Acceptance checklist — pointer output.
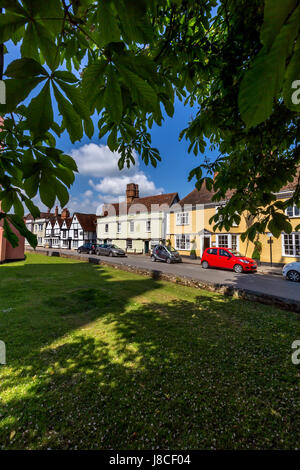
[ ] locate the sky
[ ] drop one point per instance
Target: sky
(99, 179)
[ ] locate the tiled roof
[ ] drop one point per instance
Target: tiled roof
(44, 215)
(141, 204)
(87, 221)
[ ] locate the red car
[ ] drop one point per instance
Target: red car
(228, 259)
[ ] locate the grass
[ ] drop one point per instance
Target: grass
(99, 358)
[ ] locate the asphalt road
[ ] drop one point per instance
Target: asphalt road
(258, 282)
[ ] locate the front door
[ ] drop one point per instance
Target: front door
(206, 243)
(146, 246)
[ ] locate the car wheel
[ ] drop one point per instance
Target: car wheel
(293, 276)
(168, 260)
(238, 268)
(79, 251)
(90, 252)
(205, 265)
(111, 253)
(153, 258)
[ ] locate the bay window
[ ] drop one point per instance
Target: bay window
(182, 242)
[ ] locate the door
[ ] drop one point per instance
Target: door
(224, 259)
(70, 241)
(212, 257)
(146, 247)
(206, 243)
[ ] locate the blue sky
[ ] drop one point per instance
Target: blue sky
(99, 179)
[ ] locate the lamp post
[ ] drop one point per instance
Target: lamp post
(270, 241)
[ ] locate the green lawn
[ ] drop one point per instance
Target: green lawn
(99, 358)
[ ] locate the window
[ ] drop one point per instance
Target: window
(40, 227)
(131, 226)
(224, 253)
(182, 242)
(234, 242)
(228, 241)
(106, 228)
(129, 244)
(118, 227)
(291, 244)
(40, 240)
(64, 234)
(293, 211)
(75, 243)
(212, 251)
(148, 226)
(75, 233)
(182, 218)
(234, 224)
(223, 241)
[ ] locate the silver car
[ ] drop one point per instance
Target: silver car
(107, 249)
(291, 271)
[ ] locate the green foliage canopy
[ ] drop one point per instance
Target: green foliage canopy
(127, 61)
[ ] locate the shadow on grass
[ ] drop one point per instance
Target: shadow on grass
(104, 359)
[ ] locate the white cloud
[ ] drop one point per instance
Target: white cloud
(98, 161)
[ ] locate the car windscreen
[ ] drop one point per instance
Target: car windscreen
(235, 253)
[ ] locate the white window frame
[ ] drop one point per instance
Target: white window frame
(182, 242)
(182, 218)
(234, 224)
(148, 226)
(229, 240)
(293, 245)
(131, 226)
(129, 244)
(118, 227)
(106, 227)
(295, 212)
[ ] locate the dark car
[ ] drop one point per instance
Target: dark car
(86, 248)
(107, 249)
(166, 254)
(227, 259)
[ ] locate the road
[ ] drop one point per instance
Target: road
(257, 282)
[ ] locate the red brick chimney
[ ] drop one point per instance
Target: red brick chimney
(132, 192)
(65, 213)
(56, 211)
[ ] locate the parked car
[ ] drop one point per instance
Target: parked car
(291, 271)
(86, 248)
(107, 249)
(227, 259)
(166, 254)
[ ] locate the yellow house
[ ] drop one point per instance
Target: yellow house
(189, 228)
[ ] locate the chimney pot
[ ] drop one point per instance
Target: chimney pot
(132, 192)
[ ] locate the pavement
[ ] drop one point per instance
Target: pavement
(264, 283)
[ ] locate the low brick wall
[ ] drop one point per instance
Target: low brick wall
(224, 289)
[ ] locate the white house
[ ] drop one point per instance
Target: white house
(82, 229)
(138, 223)
(63, 231)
